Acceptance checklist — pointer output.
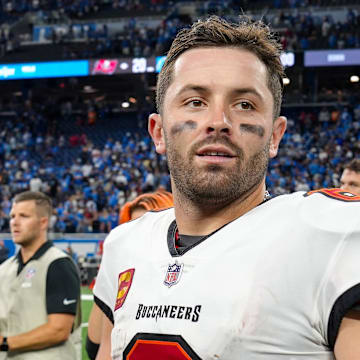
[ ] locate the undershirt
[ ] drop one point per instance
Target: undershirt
(186, 241)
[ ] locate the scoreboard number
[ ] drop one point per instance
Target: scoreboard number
(139, 65)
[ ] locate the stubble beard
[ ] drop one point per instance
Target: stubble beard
(215, 185)
(27, 239)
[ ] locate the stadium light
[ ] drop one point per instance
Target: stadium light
(286, 81)
(354, 78)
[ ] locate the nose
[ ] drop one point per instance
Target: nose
(219, 121)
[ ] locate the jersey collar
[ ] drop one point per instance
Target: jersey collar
(173, 234)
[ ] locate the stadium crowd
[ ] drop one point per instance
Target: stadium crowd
(82, 8)
(88, 183)
(299, 28)
(298, 31)
(89, 180)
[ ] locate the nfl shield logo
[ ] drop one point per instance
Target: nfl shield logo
(173, 274)
(30, 273)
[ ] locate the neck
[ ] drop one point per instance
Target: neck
(195, 219)
(28, 251)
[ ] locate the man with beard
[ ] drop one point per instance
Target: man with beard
(229, 273)
(39, 289)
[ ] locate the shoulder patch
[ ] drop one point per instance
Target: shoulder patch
(124, 283)
(337, 194)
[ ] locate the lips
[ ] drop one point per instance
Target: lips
(218, 151)
(215, 155)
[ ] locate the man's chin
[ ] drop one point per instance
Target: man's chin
(215, 192)
(216, 179)
(18, 240)
(215, 169)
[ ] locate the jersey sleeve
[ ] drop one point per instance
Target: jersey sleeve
(105, 288)
(347, 301)
(62, 287)
(341, 288)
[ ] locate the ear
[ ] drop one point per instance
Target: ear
(278, 131)
(155, 127)
(44, 222)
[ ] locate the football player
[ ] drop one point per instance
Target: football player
(229, 273)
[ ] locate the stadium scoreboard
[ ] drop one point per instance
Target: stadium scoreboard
(94, 67)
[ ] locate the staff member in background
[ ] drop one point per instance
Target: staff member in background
(39, 289)
(160, 199)
(4, 251)
(350, 178)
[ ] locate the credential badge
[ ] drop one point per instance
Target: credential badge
(173, 274)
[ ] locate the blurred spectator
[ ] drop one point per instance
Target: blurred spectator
(298, 27)
(69, 250)
(35, 184)
(350, 178)
(90, 183)
(324, 116)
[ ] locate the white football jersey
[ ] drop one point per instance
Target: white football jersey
(261, 287)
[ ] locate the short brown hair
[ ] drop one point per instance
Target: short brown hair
(253, 36)
(42, 201)
(353, 165)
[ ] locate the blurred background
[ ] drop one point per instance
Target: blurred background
(77, 82)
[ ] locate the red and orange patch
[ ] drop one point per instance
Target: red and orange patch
(335, 193)
(124, 284)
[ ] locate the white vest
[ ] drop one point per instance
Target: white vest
(23, 305)
(260, 288)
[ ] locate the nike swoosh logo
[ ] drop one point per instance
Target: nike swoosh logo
(68, 302)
